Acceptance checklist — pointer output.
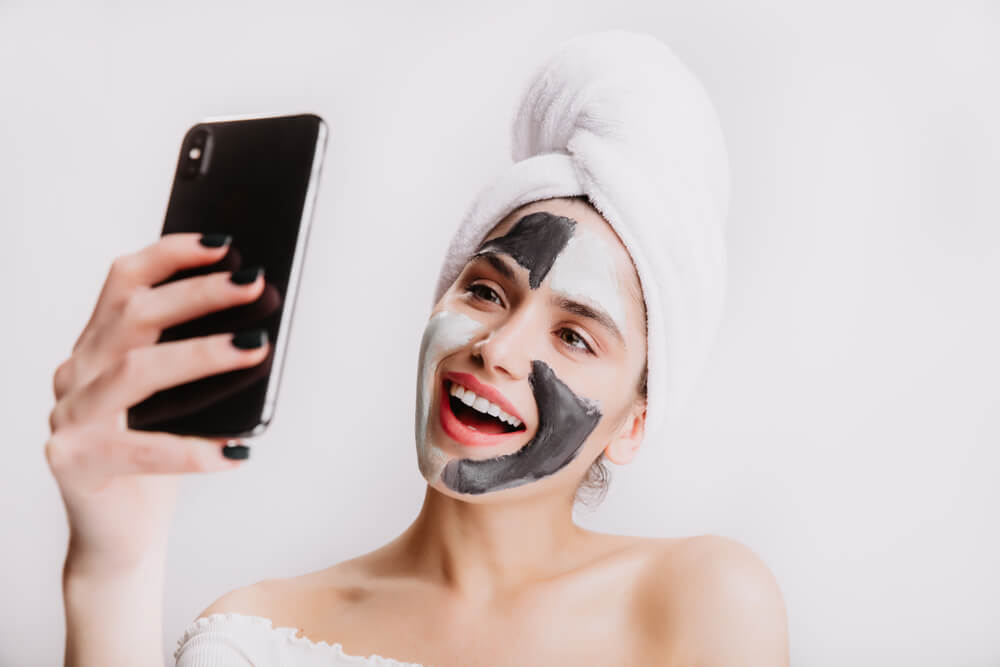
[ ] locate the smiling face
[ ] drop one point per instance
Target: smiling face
(545, 327)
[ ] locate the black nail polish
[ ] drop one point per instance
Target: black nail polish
(246, 276)
(215, 240)
(236, 452)
(248, 340)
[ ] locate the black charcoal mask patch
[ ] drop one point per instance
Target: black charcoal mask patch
(565, 420)
(534, 243)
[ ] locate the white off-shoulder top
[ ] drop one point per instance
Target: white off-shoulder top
(239, 640)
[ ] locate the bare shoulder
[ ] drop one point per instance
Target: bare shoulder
(713, 600)
(252, 600)
(271, 598)
(285, 601)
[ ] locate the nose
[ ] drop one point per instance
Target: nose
(507, 346)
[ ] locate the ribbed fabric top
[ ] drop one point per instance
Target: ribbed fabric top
(239, 640)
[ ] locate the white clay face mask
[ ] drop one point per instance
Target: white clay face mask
(445, 333)
(585, 270)
(579, 267)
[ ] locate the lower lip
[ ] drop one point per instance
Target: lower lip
(461, 433)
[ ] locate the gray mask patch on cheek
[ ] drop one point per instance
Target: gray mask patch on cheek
(534, 242)
(564, 422)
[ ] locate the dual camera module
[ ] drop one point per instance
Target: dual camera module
(194, 158)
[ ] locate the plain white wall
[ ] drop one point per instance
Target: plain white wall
(846, 428)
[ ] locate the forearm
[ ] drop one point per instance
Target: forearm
(114, 618)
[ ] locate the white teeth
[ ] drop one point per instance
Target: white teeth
(470, 398)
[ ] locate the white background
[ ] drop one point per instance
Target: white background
(846, 428)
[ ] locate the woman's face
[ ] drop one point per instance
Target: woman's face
(545, 325)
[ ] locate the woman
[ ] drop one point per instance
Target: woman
(563, 329)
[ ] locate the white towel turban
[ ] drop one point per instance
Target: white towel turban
(616, 116)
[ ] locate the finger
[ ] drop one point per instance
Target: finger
(192, 397)
(241, 316)
(91, 456)
(64, 377)
(152, 264)
(166, 256)
(143, 371)
(151, 310)
(161, 307)
(139, 319)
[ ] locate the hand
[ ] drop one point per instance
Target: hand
(120, 485)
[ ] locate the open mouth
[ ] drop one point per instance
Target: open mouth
(479, 421)
(470, 426)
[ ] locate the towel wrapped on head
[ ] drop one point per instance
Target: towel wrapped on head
(615, 116)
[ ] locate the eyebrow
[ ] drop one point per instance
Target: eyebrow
(564, 303)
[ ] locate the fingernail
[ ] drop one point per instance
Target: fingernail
(248, 340)
(215, 240)
(246, 276)
(236, 451)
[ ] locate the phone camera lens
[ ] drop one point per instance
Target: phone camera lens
(195, 157)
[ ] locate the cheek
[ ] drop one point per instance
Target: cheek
(604, 387)
(445, 332)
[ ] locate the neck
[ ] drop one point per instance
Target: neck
(483, 550)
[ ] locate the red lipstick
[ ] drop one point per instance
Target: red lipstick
(486, 391)
(461, 433)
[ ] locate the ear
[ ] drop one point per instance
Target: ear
(625, 446)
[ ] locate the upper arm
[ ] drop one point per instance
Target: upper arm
(719, 605)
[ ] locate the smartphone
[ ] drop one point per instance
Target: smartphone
(254, 178)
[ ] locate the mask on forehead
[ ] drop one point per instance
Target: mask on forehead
(578, 265)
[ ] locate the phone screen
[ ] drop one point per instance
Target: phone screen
(254, 179)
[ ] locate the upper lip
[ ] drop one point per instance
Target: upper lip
(486, 391)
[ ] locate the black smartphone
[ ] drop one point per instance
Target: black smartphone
(254, 178)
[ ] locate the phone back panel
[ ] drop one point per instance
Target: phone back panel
(255, 180)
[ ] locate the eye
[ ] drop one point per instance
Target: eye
(477, 290)
(483, 292)
(577, 337)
